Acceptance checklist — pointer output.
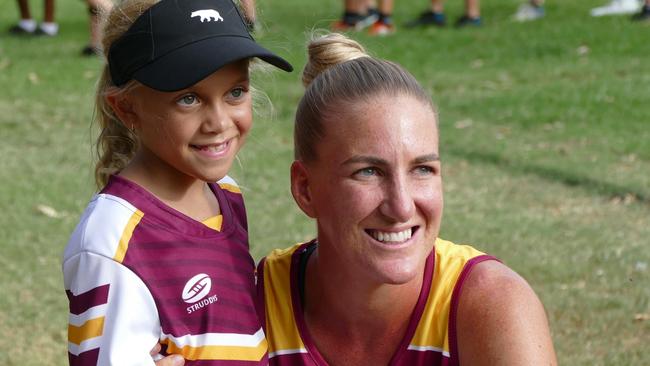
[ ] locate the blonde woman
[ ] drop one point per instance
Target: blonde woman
(377, 286)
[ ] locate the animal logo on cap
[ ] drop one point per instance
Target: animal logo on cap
(208, 15)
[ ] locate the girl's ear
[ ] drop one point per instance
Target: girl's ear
(300, 188)
(123, 108)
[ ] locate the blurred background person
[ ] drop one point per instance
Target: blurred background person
(384, 24)
(644, 13)
(617, 7)
(530, 10)
(249, 13)
(362, 14)
(95, 10)
(27, 24)
(357, 15)
(435, 16)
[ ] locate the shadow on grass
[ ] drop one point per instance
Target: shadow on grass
(605, 189)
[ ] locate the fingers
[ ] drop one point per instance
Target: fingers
(155, 350)
(173, 360)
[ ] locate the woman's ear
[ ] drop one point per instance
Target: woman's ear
(300, 188)
(123, 107)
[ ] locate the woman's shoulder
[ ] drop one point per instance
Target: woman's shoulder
(494, 285)
(283, 255)
(501, 320)
(446, 248)
(457, 260)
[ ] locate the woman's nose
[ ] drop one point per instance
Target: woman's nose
(398, 204)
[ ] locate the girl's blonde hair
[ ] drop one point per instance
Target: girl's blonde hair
(340, 75)
(116, 144)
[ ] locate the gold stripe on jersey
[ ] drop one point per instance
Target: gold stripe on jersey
(126, 236)
(279, 308)
(432, 331)
(230, 187)
(90, 329)
(240, 353)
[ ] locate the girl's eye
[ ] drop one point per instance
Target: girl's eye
(237, 92)
(188, 99)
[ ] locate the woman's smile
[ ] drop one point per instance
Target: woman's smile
(394, 237)
(378, 206)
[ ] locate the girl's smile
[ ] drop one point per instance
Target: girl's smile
(193, 134)
(213, 151)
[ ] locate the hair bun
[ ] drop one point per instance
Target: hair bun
(329, 50)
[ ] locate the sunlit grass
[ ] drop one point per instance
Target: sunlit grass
(545, 140)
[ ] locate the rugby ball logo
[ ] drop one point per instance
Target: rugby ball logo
(197, 288)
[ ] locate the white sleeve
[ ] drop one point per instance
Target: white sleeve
(113, 317)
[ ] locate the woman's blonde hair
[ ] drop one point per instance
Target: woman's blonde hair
(116, 144)
(340, 75)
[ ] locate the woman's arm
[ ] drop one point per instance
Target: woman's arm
(501, 321)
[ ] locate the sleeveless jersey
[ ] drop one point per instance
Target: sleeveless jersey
(137, 271)
(430, 337)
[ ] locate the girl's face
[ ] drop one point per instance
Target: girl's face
(195, 133)
(375, 190)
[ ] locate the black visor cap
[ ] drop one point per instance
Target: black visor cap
(177, 43)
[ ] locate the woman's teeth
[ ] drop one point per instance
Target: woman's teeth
(386, 237)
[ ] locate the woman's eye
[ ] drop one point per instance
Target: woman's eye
(425, 170)
(187, 100)
(366, 172)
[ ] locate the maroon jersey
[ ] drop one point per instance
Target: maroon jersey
(137, 271)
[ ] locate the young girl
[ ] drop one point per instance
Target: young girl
(161, 252)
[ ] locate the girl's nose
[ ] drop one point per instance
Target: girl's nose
(216, 120)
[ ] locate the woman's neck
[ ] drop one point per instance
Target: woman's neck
(352, 321)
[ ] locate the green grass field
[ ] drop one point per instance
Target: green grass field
(545, 141)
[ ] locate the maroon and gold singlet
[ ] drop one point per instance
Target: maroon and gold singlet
(430, 338)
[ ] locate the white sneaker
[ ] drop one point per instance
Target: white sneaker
(617, 7)
(527, 12)
(48, 29)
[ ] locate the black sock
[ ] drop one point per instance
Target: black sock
(385, 18)
(351, 18)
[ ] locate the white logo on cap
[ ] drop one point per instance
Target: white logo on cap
(208, 15)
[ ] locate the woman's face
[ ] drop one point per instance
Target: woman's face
(375, 189)
(194, 133)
